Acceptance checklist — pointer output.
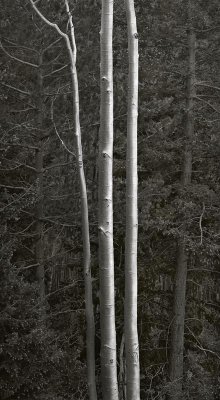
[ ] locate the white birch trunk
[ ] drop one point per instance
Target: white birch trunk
(130, 308)
(106, 251)
(90, 326)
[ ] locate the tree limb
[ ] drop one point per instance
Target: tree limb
(200, 224)
(18, 59)
(16, 89)
(208, 86)
(207, 103)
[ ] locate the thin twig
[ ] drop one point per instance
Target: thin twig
(207, 103)
(200, 224)
(56, 70)
(17, 59)
(55, 128)
(208, 86)
(16, 89)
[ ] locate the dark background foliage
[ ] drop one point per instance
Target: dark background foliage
(47, 359)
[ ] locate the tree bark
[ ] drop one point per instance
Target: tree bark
(39, 251)
(130, 308)
(90, 325)
(106, 251)
(177, 328)
(122, 371)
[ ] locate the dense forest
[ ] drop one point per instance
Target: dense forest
(70, 258)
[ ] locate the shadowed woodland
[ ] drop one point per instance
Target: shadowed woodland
(58, 271)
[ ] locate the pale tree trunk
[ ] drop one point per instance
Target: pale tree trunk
(106, 251)
(130, 308)
(177, 328)
(90, 326)
(39, 252)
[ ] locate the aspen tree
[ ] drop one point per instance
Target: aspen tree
(90, 326)
(177, 327)
(106, 251)
(130, 308)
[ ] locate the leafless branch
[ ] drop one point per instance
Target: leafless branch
(17, 198)
(16, 89)
(57, 166)
(18, 166)
(207, 29)
(51, 44)
(20, 145)
(52, 24)
(207, 103)
(13, 187)
(64, 312)
(200, 224)
(27, 267)
(203, 269)
(18, 59)
(55, 128)
(19, 45)
(24, 230)
(24, 110)
(55, 71)
(208, 86)
(63, 144)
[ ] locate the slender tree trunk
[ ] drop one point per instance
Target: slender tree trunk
(122, 371)
(106, 251)
(39, 210)
(130, 310)
(177, 329)
(90, 326)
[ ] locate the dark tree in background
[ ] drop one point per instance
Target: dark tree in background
(42, 293)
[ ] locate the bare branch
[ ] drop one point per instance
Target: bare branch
(18, 59)
(18, 166)
(61, 140)
(45, 219)
(13, 187)
(51, 44)
(52, 24)
(74, 51)
(207, 103)
(24, 110)
(20, 145)
(200, 223)
(57, 166)
(19, 45)
(28, 267)
(17, 198)
(24, 230)
(57, 70)
(203, 269)
(16, 89)
(207, 29)
(208, 86)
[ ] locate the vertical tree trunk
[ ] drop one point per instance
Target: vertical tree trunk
(90, 326)
(39, 210)
(106, 251)
(177, 329)
(122, 371)
(130, 309)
